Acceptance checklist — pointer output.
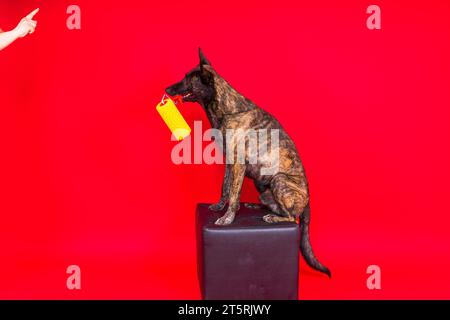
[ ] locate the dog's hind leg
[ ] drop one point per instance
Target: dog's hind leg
(291, 193)
(290, 196)
(268, 201)
(265, 196)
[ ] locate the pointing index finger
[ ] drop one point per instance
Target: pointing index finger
(32, 14)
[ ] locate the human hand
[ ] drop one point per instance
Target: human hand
(27, 25)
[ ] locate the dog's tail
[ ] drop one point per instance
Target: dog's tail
(305, 244)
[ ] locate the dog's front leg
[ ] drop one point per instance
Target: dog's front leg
(236, 179)
(225, 190)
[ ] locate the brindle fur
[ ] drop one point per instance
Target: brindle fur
(284, 193)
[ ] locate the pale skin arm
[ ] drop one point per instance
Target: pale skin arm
(26, 26)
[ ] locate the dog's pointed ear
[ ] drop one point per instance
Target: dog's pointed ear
(202, 57)
(204, 73)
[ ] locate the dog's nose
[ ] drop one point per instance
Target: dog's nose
(169, 91)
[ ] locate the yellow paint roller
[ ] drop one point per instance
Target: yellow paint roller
(168, 111)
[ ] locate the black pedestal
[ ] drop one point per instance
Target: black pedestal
(247, 260)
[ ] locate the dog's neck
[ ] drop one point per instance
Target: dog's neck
(226, 101)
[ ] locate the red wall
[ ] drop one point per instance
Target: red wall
(85, 169)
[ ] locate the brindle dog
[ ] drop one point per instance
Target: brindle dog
(285, 191)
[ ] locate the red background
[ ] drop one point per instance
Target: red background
(85, 169)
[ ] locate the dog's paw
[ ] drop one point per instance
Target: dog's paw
(270, 218)
(255, 206)
(225, 220)
(217, 206)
